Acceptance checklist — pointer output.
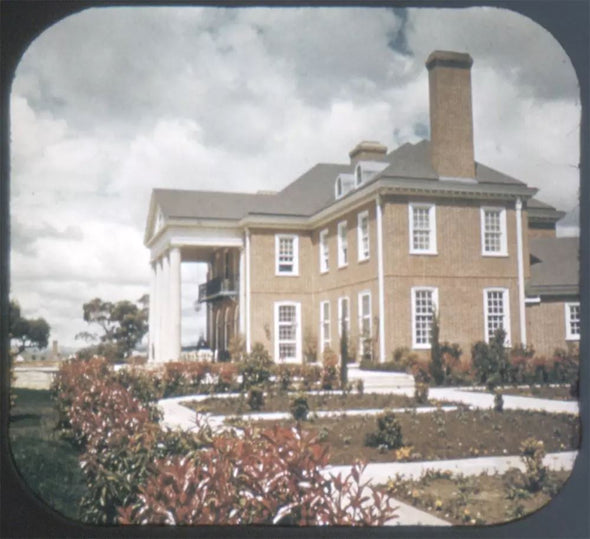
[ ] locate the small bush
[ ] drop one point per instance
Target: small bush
(255, 398)
(237, 347)
(498, 402)
(359, 386)
(421, 393)
(300, 408)
(388, 433)
(256, 370)
(330, 371)
(533, 452)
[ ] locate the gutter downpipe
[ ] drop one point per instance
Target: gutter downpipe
(248, 340)
(520, 262)
(380, 279)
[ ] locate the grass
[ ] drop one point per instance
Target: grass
(49, 466)
(482, 499)
(561, 392)
(446, 435)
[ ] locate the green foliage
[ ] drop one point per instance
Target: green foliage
(498, 402)
(123, 324)
(532, 453)
(300, 407)
(26, 332)
(256, 370)
(343, 353)
(421, 393)
(330, 370)
(388, 433)
(310, 346)
(491, 360)
(256, 398)
(436, 360)
(237, 347)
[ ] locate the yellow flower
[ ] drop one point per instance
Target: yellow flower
(438, 505)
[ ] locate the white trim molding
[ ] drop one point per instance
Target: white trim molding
(520, 264)
(248, 298)
(505, 312)
(362, 316)
(343, 254)
(297, 331)
(427, 226)
(363, 236)
(287, 260)
(502, 245)
(341, 301)
(572, 321)
(380, 276)
(426, 317)
(325, 327)
(324, 251)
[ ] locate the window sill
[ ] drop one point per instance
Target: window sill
(572, 338)
(362, 260)
(495, 255)
(342, 266)
(286, 274)
(427, 253)
(421, 346)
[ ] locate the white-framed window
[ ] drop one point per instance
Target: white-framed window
(424, 306)
(324, 251)
(324, 325)
(365, 329)
(287, 254)
(493, 231)
(572, 321)
(496, 312)
(363, 235)
(343, 315)
(339, 190)
(422, 219)
(342, 244)
(288, 331)
(358, 175)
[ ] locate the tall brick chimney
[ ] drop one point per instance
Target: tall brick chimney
(451, 117)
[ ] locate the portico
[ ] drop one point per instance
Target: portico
(173, 241)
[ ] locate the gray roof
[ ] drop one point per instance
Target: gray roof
(554, 266)
(311, 192)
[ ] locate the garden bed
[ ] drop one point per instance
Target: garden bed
(481, 499)
(281, 402)
(553, 392)
(444, 435)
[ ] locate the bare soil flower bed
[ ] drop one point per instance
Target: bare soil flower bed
(445, 435)
(541, 392)
(475, 500)
(281, 401)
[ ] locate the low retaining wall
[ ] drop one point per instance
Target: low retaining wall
(34, 377)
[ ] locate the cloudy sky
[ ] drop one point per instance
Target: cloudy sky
(110, 103)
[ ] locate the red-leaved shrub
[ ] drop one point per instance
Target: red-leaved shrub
(263, 477)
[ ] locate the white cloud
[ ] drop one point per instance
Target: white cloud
(113, 102)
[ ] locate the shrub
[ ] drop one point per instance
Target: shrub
(257, 368)
(388, 433)
(310, 346)
(310, 376)
(491, 360)
(436, 367)
(237, 347)
(256, 398)
(359, 386)
(284, 376)
(421, 393)
(280, 483)
(533, 452)
(330, 373)
(226, 377)
(420, 371)
(300, 408)
(498, 402)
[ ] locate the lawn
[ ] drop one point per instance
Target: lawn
(445, 435)
(48, 465)
(281, 402)
(481, 499)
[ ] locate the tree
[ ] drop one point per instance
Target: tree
(27, 332)
(343, 353)
(436, 366)
(122, 324)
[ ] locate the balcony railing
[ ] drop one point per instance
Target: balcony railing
(219, 287)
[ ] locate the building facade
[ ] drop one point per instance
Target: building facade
(376, 246)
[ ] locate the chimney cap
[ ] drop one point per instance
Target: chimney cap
(449, 59)
(368, 146)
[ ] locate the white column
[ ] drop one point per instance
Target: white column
(248, 327)
(242, 301)
(165, 310)
(380, 277)
(174, 304)
(153, 313)
(159, 309)
(520, 262)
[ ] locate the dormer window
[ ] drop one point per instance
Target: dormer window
(344, 184)
(338, 187)
(358, 175)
